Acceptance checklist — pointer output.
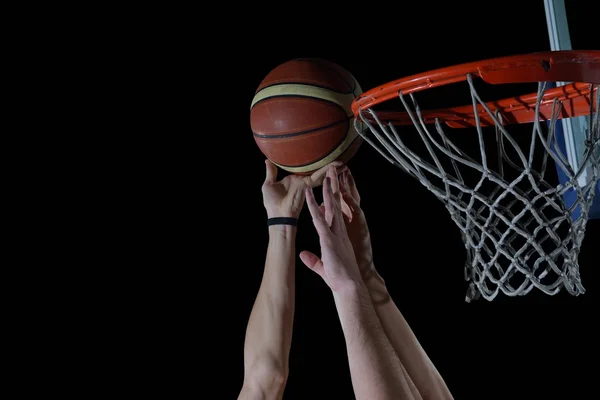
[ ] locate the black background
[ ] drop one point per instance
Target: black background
(530, 347)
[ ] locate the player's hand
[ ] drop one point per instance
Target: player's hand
(285, 198)
(337, 264)
(356, 224)
(346, 193)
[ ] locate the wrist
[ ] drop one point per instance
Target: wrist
(377, 287)
(281, 222)
(284, 230)
(371, 277)
(351, 289)
(274, 213)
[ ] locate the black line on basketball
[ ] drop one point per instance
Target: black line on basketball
(287, 135)
(325, 155)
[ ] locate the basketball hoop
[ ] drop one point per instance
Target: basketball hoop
(518, 231)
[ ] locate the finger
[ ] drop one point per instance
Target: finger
(350, 200)
(316, 179)
(341, 169)
(344, 179)
(346, 211)
(332, 207)
(317, 216)
(335, 186)
(322, 208)
(332, 174)
(339, 166)
(328, 200)
(352, 187)
(312, 261)
(271, 174)
(327, 215)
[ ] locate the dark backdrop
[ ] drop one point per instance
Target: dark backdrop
(531, 347)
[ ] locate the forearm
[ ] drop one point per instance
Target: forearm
(269, 331)
(375, 369)
(419, 367)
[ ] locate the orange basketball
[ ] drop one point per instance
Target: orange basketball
(301, 118)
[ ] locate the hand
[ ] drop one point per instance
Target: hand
(337, 265)
(285, 198)
(356, 225)
(345, 191)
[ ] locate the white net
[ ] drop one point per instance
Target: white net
(517, 228)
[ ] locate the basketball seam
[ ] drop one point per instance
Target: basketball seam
(303, 83)
(304, 97)
(286, 135)
(325, 155)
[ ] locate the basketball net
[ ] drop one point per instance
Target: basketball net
(517, 228)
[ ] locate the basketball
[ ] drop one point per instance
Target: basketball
(301, 118)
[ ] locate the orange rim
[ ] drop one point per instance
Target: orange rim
(581, 67)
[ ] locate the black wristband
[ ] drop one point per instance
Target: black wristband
(282, 221)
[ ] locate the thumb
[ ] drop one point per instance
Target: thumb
(312, 261)
(271, 174)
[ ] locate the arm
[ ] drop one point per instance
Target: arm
(375, 369)
(269, 331)
(419, 367)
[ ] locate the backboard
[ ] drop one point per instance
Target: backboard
(570, 132)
